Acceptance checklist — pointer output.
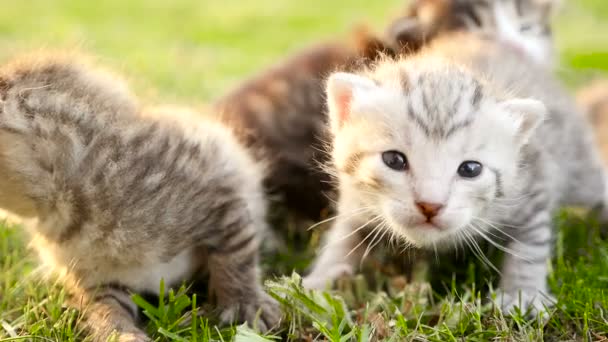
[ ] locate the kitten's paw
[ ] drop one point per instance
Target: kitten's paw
(320, 279)
(262, 312)
(133, 337)
(529, 302)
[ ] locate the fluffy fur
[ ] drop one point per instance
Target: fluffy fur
(123, 198)
(441, 108)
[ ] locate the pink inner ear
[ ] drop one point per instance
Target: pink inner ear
(343, 99)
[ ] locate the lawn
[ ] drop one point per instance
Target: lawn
(190, 52)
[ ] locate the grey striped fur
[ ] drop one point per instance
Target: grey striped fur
(125, 196)
(461, 104)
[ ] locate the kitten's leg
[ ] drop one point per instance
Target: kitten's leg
(338, 257)
(109, 313)
(524, 273)
(235, 280)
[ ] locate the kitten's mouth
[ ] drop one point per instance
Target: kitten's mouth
(428, 225)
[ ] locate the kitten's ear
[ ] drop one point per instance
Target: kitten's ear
(342, 89)
(527, 115)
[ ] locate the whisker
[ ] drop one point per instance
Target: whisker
(502, 248)
(372, 245)
(350, 214)
(478, 252)
(366, 237)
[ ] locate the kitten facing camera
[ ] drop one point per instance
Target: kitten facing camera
(123, 197)
(454, 145)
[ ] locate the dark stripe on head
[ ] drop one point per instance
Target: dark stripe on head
(458, 126)
(418, 120)
(499, 186)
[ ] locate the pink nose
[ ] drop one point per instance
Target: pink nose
(429, 210)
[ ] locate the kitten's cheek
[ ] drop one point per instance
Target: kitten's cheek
(455, 221)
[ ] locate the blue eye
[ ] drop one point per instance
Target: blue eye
(395, 160)
(470, 169)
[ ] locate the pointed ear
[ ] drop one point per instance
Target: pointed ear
(342, 89)
(527, 114)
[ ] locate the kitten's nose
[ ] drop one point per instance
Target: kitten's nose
(429, 210)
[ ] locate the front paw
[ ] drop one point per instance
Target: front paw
(529, 302)
(320, 279)
(262, 312)
(134, 337)
(127, 337)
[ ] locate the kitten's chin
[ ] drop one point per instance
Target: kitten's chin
(426, 235)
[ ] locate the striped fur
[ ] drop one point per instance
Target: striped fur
(484, 103)
(124, 196)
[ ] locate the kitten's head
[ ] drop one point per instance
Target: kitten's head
(427, 146)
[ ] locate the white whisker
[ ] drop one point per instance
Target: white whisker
(350, 214)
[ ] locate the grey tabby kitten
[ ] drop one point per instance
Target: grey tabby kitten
(122, 198)
(452, 144)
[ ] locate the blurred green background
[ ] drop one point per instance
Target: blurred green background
(192, 51)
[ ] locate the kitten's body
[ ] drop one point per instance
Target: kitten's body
(280, 112)
(121, 198)
(446, 106)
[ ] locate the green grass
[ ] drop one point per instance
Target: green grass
(193, 51)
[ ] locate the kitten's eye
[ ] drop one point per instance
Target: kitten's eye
(470, 169)
(395, 160)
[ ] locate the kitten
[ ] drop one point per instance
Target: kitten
(123, 198)
(279, 114)
(454, 143)
(524, 25)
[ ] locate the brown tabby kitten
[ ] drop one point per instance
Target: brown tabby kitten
(122, 199)
(280, 114)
